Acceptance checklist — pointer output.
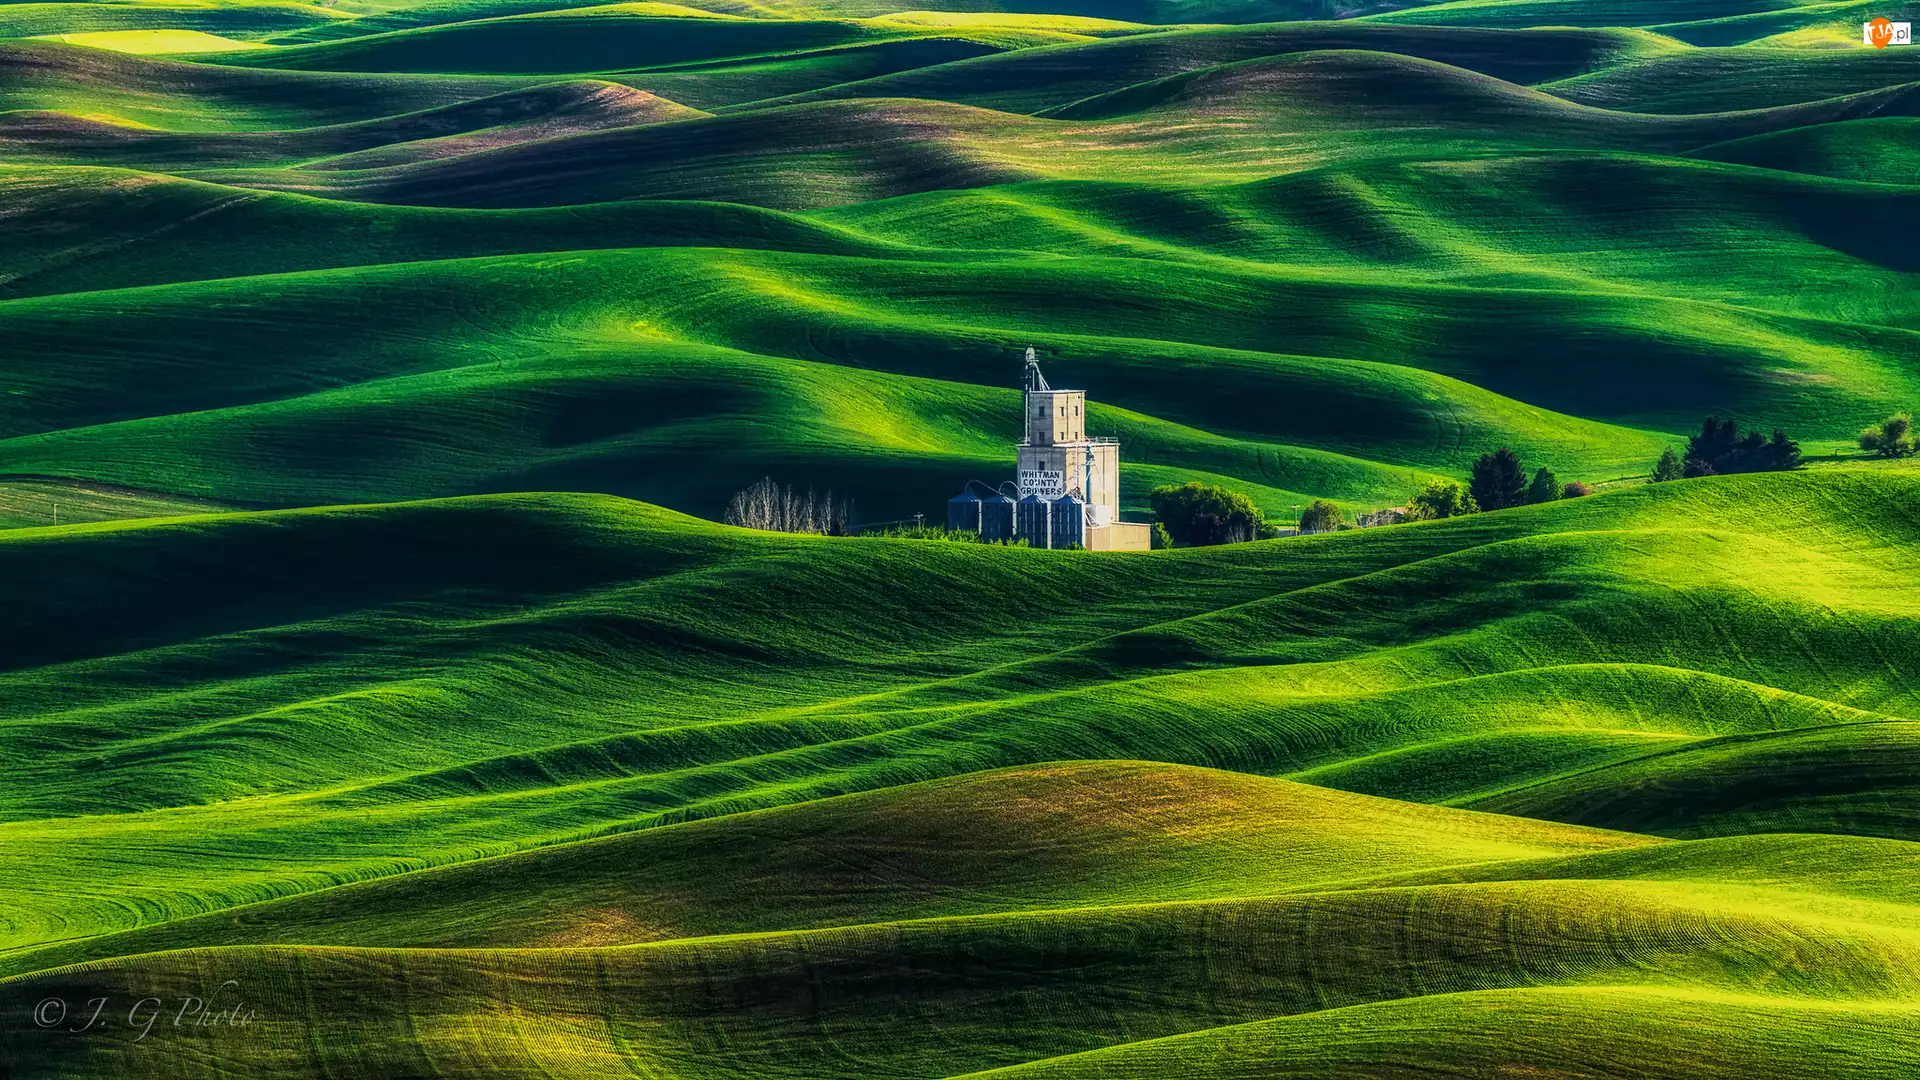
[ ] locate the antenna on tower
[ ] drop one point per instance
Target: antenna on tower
(1035, 380)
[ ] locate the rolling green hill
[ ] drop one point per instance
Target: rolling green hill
(1032, 80)
(1855, 150)
(530, 115)
(599, 39)
(1715, 80)
(242, 20)
(171, 96)
(305, 672)
(373, 374)
(1131, 265)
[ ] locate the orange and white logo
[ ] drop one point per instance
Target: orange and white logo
(1881, 33)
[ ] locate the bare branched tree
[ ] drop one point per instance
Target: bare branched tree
(779, 508)
(1392, 515)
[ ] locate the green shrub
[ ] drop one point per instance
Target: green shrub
(926, 532)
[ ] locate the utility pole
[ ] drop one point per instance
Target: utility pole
(56, 511)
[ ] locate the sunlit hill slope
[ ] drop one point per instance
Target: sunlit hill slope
(372, 375)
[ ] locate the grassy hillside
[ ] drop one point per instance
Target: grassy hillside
(516, 116)
(46, 501)
(1717, 80)
(372, 374)
(1853, 150)
(1273, 250)
(597, 39)
(1565, 663)
(171, 96)
(241, 20)
(1032, 80)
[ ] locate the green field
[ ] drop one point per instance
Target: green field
(372, 374)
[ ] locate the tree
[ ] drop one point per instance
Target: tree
(1575, 489)
(1720, 448)
(1322, 516)
(1668, 467)
(1160, 539)
(779, 508)
(1201, 515)
(1892, 437)
(1499, 480)
(1782, 453)
(1545, 487)
(1707, 451)
(1440, 499)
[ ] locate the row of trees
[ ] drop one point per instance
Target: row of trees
(1495, 488)
(1720, 449)
(782, 508)
(1201, 515)
(1499, 481)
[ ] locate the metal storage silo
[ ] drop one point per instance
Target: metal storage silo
(996, 518)
(1069, 520)
(963, 512)
(1035, 521)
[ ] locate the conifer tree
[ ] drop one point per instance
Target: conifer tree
(1545, 487)
(1499, 480)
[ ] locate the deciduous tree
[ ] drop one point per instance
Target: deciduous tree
(1892, 437)
(1322, 516)
(1440, 499)
(780, 508)
(1201, 515)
